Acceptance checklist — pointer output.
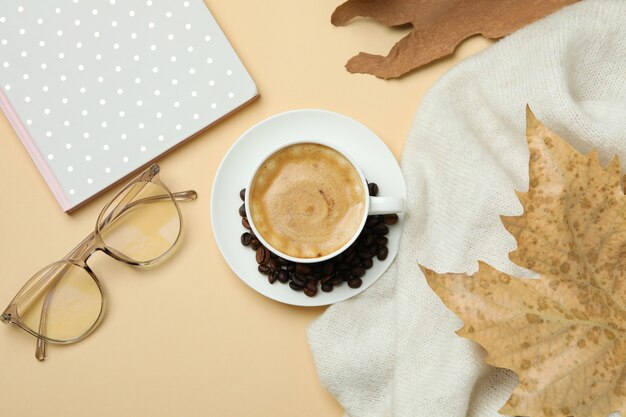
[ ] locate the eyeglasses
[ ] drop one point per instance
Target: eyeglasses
(63, 303)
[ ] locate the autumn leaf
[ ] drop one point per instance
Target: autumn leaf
(438, 27)
(563, 334)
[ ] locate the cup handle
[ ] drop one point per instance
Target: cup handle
(386, 205)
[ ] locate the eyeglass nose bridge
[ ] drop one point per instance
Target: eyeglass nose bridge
(90, 245)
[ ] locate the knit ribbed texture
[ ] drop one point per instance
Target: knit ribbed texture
(392, 350)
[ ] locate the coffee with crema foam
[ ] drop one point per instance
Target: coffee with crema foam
(307, 200)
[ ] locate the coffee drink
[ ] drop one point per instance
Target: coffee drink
(307, 200)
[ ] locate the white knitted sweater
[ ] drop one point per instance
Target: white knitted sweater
(392, 350)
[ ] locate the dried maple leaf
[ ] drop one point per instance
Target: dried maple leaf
(564, 334)
(438, 27)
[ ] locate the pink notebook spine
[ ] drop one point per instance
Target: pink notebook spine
(33, 150)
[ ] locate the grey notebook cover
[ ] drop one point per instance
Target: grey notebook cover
(96, 89)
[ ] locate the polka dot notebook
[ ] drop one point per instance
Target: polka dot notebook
(97, 89)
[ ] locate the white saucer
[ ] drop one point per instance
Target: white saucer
(370, 153)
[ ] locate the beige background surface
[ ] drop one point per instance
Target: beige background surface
(187, 338)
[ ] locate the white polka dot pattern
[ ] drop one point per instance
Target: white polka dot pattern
(103, 90)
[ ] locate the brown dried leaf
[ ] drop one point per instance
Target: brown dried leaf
(438, 27)
(564, 334)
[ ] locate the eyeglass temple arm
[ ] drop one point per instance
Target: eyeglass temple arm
(183, 196)
(80, 253)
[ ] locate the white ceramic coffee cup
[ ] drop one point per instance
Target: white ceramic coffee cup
(373, 205)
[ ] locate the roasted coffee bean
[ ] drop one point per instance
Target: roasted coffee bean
(242, 210)
(372, 188)
(273, 264)
(298, 279)
(367, 263)
(273, 255)
(242, 194)
(246, 238)
(311, 279)
(382, 253)
(328, 268)
(272, 277)
(357, 271)
(381, 240)
(390, 218)
(255, 244)
(343, 275)
(356, 261)
(310, 291)
(291, 267)
(350, 257)
(364, 254)
(327, 278)
(262, 255)
(303, 269)
(264, 269)
(362, 247)
(295, 286)
(245, 223)
(371, 222)
(336, 281)
(343, 267)
(327, 287)
(369, 240)
(355, 283)
(283, 261)
(373, 249)
(283, 276)
(380, 229)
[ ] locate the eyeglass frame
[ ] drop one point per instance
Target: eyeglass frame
(91, 244)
